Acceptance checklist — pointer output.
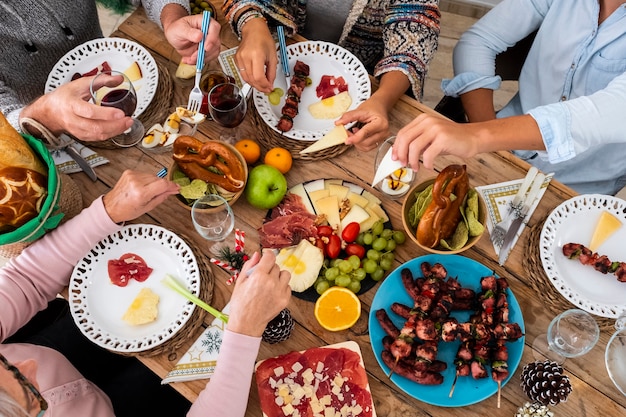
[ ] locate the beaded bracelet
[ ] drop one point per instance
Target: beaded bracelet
(246, 16)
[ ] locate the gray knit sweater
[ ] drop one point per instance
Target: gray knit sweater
(35, 34)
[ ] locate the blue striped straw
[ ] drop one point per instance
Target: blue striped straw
(283, 49)
(206, 19)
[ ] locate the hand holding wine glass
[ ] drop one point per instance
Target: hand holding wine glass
(114, 89)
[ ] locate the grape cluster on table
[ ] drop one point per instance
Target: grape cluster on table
(380, 243)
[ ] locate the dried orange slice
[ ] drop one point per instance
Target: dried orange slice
(337, 308)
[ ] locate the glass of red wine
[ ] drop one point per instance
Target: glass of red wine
(114, 89)
(227, 107)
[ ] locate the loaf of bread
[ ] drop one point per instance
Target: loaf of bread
(23, 179)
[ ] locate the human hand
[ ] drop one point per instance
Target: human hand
(67, 109)
(256, 56)
(185, 34)
(427, 136)
(136, 193)
(374, 125)
(258, 298)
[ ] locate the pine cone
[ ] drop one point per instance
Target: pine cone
(279, 328)
(544, 382)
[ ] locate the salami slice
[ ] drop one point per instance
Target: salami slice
(128, 266)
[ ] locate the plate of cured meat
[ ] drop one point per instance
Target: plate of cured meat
(318, 69)
(447, 330)
(315, 381)
(117, 54)
(304, 212)
(590, 279)
(106, 285)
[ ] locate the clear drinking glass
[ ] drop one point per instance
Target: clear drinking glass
(227, 107)
(570, 334)
(213, 217)
(114, 89)
(399, 182)
(615, 354)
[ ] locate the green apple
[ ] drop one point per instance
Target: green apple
(266, 187)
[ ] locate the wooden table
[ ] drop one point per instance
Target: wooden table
(593, 394)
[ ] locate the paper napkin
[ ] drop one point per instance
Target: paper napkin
(498, 198)
(67, 165)
(200, 360)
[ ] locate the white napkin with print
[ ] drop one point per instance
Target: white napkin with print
(200, 360)
(498, 198)
(66, 164)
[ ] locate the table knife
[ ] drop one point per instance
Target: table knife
(76, 156)
(520, 216)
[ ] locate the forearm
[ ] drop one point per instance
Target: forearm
(40, 110)
(393, 85)
(510, 133)
(171, 13)
(478, 105)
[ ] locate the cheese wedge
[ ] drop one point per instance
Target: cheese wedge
(607, 225)
(300, 191)
(340, 191)
(356, 214)
(329, 206)
(143, 309)
(303, 262)
(133, 72)
(357, 199)
(185, 71)
(336, 136)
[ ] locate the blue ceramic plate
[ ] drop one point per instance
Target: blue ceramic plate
(467, 390)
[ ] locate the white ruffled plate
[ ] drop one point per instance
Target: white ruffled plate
(120, 54)
(323, 58)
(97, 305)
(574, 221)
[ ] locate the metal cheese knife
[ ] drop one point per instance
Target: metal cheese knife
(519, 218)
(76, 156)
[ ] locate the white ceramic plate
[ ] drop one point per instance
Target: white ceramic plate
(97, 305)
(574, 222)
(323, 58)
(120, 54)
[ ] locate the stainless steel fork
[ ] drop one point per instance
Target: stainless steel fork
(195, 97)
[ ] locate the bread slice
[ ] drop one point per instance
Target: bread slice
(143, 309)
(15, 152)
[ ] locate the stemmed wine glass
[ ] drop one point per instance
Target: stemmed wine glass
(114, 89)
(227, 107)
(615, 354)
(570, 334)
(213, 217)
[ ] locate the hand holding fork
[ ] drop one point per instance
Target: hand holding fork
(195, 97)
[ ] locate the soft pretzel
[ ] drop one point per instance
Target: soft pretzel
(211, 161)
(442, 215)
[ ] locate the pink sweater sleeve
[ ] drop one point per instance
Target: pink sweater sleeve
(226, 394)
(43, 269)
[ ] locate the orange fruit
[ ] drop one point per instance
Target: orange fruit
(249, 149)
(337, 308)
(279, 158)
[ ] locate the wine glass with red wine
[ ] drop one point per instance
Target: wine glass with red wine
(227, 107)
(114, 89)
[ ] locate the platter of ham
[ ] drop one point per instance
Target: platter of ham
(117, 54)
(98, 300)
(323, 381)
(442, 386)
(326, 62)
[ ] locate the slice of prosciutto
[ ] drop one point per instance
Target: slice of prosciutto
(287, 224)
(128, 266)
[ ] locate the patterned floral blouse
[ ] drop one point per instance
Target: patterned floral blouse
(386, 35)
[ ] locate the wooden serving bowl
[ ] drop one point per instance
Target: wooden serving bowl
(183, 202)
(409, 201)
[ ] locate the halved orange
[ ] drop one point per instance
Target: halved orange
(337, 308)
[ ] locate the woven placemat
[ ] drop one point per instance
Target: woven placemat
(269, 138)
(156, 112)
(541, 283)
(207, 284)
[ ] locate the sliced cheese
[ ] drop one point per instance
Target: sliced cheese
(329, 206)
(356, 214)
(357, 199)
(336, 136)
(336, 181)
(607, 225)
(133, 72)
(367, 224)
(143, 309)
(318, 195)
(371, 197)
(376, 208)
(185, 71)
(314, 185)
(341, 191)
(301, 192)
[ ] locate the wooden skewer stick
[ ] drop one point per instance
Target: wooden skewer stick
(456, 376)
(499, 391)
(394, 368)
